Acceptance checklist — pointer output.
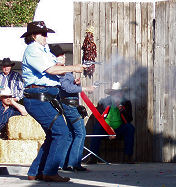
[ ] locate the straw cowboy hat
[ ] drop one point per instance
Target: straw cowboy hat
(116, 87)
(5, 92)
(36, 27)
(7, 62)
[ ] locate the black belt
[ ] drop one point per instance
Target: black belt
(72, 102)
(40, 96)
(36, 86)
(47, 97)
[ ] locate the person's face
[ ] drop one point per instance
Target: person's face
(116, 97)
(6, 69)
(6, 100)
(61, 59)
(40, 38)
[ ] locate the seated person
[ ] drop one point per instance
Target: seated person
(119, 117)
(11, 79)
(8, 107)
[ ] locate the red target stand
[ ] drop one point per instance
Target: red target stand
(101, 120)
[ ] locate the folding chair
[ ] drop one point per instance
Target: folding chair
(101, 120)
(90, 152)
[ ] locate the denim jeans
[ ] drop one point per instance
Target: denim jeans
(53, 152)
(125, 130)
(78, 134)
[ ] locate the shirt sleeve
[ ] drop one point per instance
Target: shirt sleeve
(67, 84)
(39, 60)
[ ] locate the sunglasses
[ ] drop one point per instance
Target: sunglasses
(44, 34)
(5, 97)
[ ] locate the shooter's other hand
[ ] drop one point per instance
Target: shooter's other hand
(78, 81)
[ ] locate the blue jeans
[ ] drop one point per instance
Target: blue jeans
(78, 134)
(53, 152)
(125, 130)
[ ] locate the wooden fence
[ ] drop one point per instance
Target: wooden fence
(141, 56)
(165, 82)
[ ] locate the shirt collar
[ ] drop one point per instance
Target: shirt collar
(41, 46)
(8, 74)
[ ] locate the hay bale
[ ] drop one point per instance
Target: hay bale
(24, 128)
(18, 151)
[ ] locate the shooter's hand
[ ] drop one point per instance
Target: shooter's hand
(77, 81)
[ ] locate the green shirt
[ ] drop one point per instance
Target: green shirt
(113, 118)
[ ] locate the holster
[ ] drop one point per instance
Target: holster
(71, 102)
(57, 105)
(46, 97)
(82, 111)
(75, 102)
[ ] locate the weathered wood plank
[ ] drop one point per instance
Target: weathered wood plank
(157, 69)
(96, 76)
(137, 79)
(132, 59)
(102, 46)
(150, 83)
(77, 25)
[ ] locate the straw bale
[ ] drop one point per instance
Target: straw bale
(18, 151)
(24, 128)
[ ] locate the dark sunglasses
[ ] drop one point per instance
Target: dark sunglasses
(5, 97)
(44, 34)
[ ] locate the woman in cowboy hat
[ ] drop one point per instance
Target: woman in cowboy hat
(9, 107)
(12, 79)
(119, 118)
(42, 81)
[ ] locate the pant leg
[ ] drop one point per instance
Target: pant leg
(78, 133)
(127, 131)
(95, 141)
(57, 142)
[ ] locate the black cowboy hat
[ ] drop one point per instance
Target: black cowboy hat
(36, 27)
(7, 62)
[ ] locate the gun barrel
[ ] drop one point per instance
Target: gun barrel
(88, 63)
(97, 83)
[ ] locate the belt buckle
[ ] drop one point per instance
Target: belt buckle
(71, 101)
(42, 97)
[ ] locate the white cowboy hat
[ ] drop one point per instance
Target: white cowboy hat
(116, 87)
(5, 92)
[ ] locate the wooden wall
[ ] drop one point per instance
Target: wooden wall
(140, 56)
(165, 82)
